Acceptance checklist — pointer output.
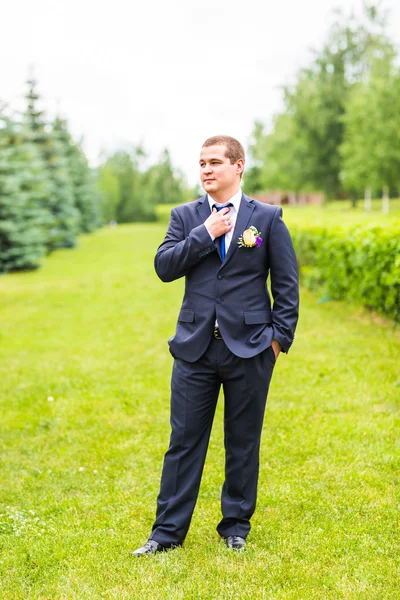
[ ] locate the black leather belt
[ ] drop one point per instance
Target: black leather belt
(217, 333)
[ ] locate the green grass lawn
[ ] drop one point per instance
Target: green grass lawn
(342, 213)
(84, 402)
(332, 213)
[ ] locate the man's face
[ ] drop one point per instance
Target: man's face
(217, 174)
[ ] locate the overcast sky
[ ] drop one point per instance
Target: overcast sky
(164, 73)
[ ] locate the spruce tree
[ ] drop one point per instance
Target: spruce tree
(84, 189)
(23, 192)
(65, 216)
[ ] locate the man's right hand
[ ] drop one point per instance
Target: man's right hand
(218, 222)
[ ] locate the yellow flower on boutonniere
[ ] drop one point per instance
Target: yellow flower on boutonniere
(250, 238)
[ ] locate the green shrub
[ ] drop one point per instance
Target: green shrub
(360, 264)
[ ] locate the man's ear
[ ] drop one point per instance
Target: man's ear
(240, 166)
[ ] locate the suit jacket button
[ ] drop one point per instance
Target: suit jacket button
(220, 277)
(218, 300)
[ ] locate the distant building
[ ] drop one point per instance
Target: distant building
(279, 197)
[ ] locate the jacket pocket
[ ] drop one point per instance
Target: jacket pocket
(257, 317)
(186, 315)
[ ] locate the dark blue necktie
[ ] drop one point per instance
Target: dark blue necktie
(221, 238)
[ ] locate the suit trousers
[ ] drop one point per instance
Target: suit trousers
(194, 393)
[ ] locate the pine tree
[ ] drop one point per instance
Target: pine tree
(65, 216)
(23, 192)
(86, 197)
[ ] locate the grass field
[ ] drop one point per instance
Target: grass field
(342, 213)
(84, 408)
(334, 212)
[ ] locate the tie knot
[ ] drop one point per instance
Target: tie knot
(223, 206)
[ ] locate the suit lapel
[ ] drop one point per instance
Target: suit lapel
(204, 211)
(244, 215)
(203, 208)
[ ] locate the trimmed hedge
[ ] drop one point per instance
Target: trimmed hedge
(361, 264)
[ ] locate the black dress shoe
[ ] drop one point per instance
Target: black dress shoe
(235, 542)
(150, 547)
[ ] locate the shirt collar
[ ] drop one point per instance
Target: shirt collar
(236, 198)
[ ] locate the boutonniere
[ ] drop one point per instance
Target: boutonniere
(250, 238)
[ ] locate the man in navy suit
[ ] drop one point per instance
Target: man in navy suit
(225, 245)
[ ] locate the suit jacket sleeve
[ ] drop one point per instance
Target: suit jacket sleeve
(284, 282)
(179, 253)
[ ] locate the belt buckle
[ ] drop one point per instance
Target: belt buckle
(217, 333)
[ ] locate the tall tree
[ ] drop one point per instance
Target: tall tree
(23, 192)
(305, 139)
(120, 182)
(371, 149)
(86, 198)
(280, 156)
(109, 191)
(131, 190)
(163, 184)
(65, 216)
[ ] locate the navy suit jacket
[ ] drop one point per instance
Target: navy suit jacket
(233, 291)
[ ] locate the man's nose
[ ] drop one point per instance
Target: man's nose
(207, 169)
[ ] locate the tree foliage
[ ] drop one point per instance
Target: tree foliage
(23, 192)
(314, 143)
(64, 225)
(131, 190)
(48, 193)
(84, 191)
(371, 147)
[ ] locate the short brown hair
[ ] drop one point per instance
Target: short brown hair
(234, 149)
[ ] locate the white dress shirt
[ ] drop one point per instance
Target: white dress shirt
(233, 212)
